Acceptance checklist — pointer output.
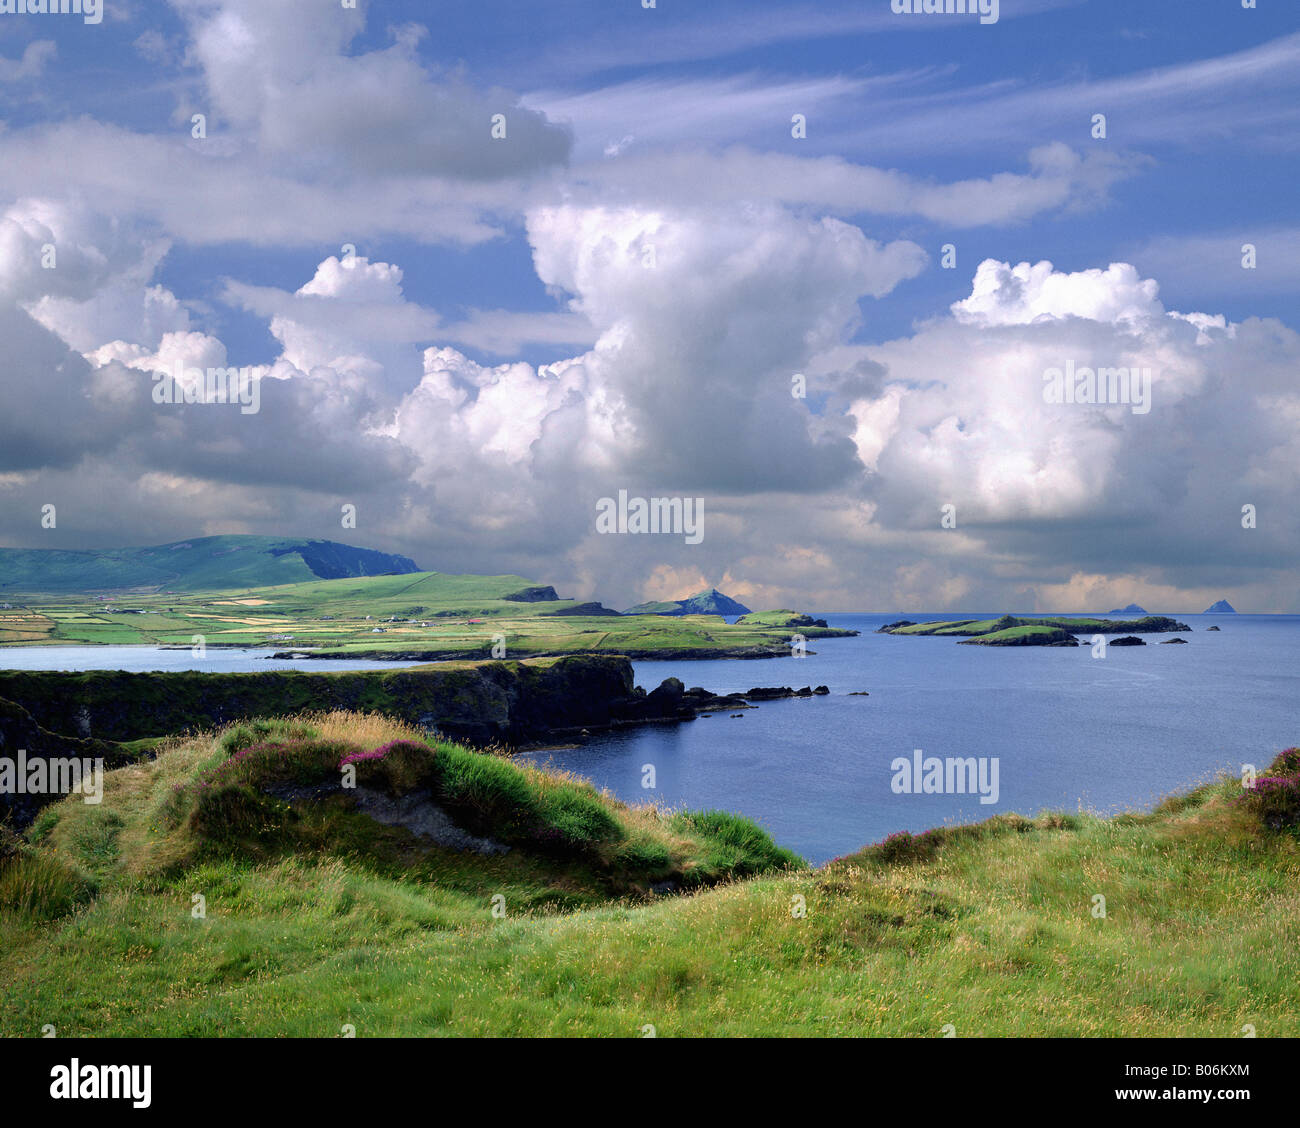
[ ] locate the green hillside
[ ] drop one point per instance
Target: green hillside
(426, 615)
(198, 564)
(323, 907)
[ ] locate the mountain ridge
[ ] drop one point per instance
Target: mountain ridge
(196, 564)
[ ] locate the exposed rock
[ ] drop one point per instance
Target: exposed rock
(775, 693)
(1171, 641)
(710, 601)
(582, 609)
(533, 595)
(667, 697)
(1128, 640)
(511, 701)
(670, 701)
(1211, 628)
(888, 627)
(423, 817)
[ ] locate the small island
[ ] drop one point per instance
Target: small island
(792, 621)
(1220, 607)
(1012, 630)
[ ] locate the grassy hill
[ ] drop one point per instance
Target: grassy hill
(317, 915)
(710, 601)
(198, 564)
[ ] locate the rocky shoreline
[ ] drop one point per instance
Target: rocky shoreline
(521, 704)
(672, 701)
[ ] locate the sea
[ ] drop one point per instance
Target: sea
(1057, 728)
(1069, 731)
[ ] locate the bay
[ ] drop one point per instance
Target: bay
(1070, 731)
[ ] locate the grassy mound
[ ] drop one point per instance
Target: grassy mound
(264, 790)
(1179, 922)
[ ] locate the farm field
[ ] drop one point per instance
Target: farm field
(427, 613)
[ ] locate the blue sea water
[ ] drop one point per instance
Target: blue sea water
(1070, 731)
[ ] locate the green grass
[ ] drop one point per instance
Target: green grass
(992, 928)
(1023, 635)
(438, 616)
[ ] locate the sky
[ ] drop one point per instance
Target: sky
(490, 263)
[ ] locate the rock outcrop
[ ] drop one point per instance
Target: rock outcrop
(582, 609)
(533, 595)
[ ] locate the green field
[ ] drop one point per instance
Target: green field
(316, 916)
(428, 614)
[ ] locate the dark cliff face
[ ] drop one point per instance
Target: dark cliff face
(583, 609)
(19, 731)
(533, 595)
(514, 702)
(333, 561)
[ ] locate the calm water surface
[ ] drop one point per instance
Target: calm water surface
(151, 659)
(1069, 730)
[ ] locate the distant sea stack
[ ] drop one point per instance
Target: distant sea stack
(710, 601)
(1223, 607)
(1131, 609)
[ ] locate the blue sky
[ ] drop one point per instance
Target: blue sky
(1217, 163)
(328, 127)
